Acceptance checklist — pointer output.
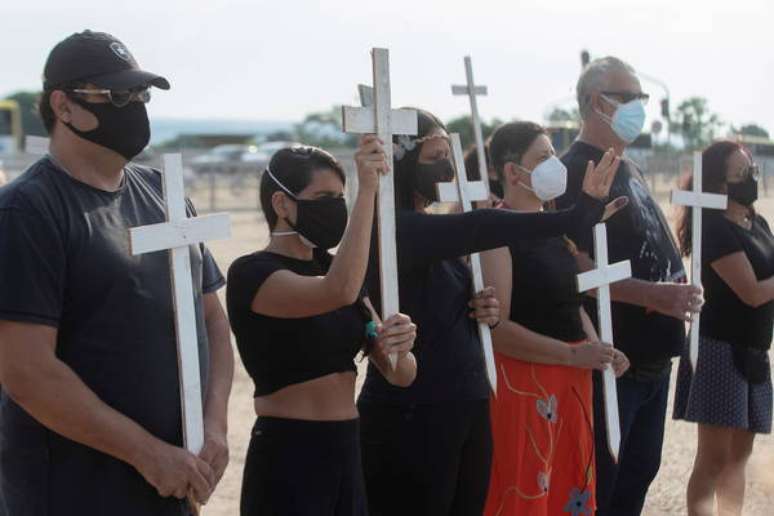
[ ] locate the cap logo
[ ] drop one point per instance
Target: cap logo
(119, 50)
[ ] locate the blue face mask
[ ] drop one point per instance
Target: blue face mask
(628, 120)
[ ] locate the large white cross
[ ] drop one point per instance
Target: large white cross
(472, 90)
(465, 192)
(176, 235)
(382, 120)
(697, 200)
(600, 279)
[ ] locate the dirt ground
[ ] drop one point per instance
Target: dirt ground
(667, 493)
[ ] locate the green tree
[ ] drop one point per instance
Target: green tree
(695, 122)
(464, 126)
(323, 129)
(753, 130)
(564, 115)
(280, 136)
(28, 102)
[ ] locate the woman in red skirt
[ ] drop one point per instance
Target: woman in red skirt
(542, 416)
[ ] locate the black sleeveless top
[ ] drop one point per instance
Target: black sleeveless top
(545, 296)
(278, 352)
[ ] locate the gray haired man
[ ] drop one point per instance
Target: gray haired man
(648, 309)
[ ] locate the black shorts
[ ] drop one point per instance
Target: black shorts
(301, 468)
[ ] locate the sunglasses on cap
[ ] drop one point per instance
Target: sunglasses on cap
(119, 98)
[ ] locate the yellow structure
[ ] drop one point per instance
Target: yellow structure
(10, 127)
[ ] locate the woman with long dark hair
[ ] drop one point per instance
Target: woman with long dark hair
(299, 316)
(427, 448)
(730, 393)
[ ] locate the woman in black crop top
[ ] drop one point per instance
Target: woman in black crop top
(544, 351)
(300, 318)
(730, 393)
(432, 440)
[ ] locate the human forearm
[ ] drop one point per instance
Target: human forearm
(221, 374)
(516, 341)
(347, 272)
(56, 397)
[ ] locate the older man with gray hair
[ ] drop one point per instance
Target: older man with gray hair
(650, 308)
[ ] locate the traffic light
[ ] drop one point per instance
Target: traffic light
(585, 58)
(665, 108)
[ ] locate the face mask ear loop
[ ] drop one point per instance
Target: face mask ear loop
(274, 178)
(607, 118)
(529, 173)
(291, 194)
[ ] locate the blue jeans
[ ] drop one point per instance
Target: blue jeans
(642, 402)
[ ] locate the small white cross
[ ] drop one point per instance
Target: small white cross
(176, 235)
(600, 279)
(379, 118)
(472, 90)
(697, 199)
(465, 192)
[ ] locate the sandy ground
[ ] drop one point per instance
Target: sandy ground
(667, 493)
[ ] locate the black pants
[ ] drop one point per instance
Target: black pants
(303, 468)
(622, 487)
(426, 459)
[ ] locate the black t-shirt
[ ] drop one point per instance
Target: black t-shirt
(638, 233)
(65, 263)
(725, 316)
(435, 288)
(278, 352)
(545, 296)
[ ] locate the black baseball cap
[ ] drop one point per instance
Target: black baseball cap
(97, 58)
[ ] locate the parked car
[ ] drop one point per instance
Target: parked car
(234, 159)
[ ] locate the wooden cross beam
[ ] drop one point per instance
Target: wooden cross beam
(176, 235)
(697, 200)
(600, 279)
(465, 192)
(472, 90)
(382, 120)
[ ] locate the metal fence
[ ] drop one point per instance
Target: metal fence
(239, 189)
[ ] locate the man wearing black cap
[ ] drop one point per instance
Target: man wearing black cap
(90, 420)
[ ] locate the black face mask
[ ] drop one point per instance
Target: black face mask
(125, 130)
(744, 192)
(321, 222)
(428, 175)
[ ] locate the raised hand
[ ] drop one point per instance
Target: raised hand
(599, 178)
(371, 162)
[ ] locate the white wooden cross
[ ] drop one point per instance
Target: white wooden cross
(472, 90)
(465, 192)
(382, 120)
(176, 235)
(697, 200)
(600, 279)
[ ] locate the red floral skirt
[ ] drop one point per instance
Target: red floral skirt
(542, 426)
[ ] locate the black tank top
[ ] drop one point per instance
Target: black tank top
(545, 296)
(278, 352)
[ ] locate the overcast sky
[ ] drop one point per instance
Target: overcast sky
(279, 60)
